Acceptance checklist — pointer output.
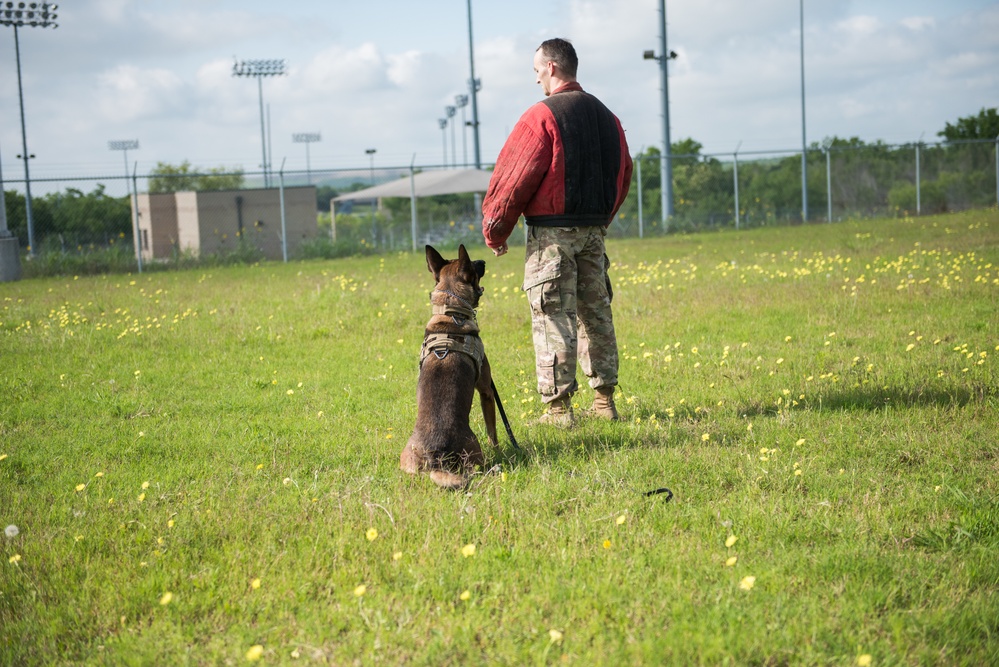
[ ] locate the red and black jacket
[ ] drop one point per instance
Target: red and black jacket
(566, 164)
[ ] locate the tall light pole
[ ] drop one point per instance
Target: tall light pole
(461, 101)
(804, 144)
(125, 145)
(259, 69)
(443, 125)
(666, 166)
(450, 112)
(35, 15)
(473, 86)
(307, 138)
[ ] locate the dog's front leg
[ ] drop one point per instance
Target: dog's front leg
(488, 401)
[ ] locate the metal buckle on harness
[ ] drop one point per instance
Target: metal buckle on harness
(440, 352)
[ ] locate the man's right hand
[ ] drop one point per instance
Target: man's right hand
(500, 251)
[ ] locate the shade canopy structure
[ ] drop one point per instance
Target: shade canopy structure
(423, 184)
(426, 184)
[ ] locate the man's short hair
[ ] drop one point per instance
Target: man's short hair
(560, 52)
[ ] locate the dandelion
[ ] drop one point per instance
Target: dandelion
(730, 541)
(100, 474)
(296, 654)
(397, 555)
(170, 523)
(286, 481)
(621, 519)
(145, 485)
(167, 598)
(731, 561)
(607, 544)
(797, 472)
(320, 414)
(864, 660)
(290, 392)
(747, 583)
(465, 596)
(2, 457)
(80, 487)
(555, 636)
(360, 590)
(372, 534)
(11, 531)
(908, 348)
(800, 442)
(16, 558)
(468, 550)
(255, 584)
(705, 437)
(78, 538)
(260, 466)
(142, 497)
(255, 652)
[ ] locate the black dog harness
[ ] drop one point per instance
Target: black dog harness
(442, 344)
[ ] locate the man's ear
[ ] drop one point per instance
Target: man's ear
(435, 262)
(479, 266)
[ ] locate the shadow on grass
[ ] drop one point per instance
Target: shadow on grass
(880, 398)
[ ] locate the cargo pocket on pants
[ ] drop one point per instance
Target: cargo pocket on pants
(543, 293)
(546, 374)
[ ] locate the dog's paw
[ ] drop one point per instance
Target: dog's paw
(448, 480)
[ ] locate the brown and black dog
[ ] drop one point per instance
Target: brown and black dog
(453, 365)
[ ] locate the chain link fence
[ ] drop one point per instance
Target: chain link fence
(93, 215)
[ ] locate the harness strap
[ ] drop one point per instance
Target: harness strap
(459, 315)
(441, 344)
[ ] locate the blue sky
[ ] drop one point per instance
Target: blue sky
(378, 74)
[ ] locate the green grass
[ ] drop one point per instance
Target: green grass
(825, 394)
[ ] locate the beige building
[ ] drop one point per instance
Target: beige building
(212, 222)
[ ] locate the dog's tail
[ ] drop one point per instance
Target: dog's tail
(448, 480)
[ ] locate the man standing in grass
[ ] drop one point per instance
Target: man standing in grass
(566, 168)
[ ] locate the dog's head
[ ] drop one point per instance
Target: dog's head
(460, 276)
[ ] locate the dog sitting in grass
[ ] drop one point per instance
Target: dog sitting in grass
(453, 365)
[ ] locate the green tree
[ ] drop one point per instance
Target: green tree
(983, 126)
(167, 177)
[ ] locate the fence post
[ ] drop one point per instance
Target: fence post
(136, 232)
(641, 221)
(828, 186)
(735, 184)
(284, 226)
(332, 221)
(412, 200)
(918, 199)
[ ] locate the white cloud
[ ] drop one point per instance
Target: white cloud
(919, 23)
(128, 93)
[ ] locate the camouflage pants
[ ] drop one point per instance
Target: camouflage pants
(565, 278)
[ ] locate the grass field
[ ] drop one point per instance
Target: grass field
(202, 467)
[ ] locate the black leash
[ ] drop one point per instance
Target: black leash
(506, 422)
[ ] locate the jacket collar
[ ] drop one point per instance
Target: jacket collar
(567, 87)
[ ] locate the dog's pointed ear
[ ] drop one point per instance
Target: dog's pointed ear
(463, 257)
(435, 262)
(480, 267)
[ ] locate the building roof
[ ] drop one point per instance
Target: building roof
(426, 184)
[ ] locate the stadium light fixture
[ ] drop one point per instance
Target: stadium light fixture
(443, 124)
(307, 138)
(260, 69)
(31, 15)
